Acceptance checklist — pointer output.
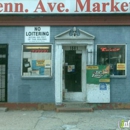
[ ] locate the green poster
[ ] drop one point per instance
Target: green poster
(97, 74)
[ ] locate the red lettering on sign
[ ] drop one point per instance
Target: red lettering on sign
(40, 6)
(109, 49)
(1, 6)
(18, 7)
(104, 5)
(96, 7)
(8, 7)
(81, 6)
(114, 6)
(88, 6)
(39, 50)
(124, 7)
(60, 7)
(51, 6)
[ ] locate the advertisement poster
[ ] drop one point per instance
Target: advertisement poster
(121, 66)
(98, 84)
(98, 74)
(37, 70)
(71, 68)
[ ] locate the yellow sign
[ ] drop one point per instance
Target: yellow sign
(120, 66)
(40, 63)
(104, 80)
(92, 67)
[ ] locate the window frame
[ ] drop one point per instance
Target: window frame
(115, 76)
(40, 76)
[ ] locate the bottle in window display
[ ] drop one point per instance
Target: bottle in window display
(26, 64)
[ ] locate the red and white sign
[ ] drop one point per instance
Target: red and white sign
(64, 7)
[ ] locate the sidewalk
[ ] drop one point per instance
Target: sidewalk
(51, 120)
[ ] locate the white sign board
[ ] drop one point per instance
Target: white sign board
(64, 6)
(37, 34)
(98, 94)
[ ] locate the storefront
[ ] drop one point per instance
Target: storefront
(45, 50)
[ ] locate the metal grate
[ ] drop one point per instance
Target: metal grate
(3, 73)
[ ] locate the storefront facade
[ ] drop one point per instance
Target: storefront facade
(44, 57)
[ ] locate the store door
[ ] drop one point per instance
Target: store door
(3, 72)
(72, 71)
(73, 88)
(70, 83)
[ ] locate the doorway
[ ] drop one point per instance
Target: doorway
(73, 77)
(80, 44)
(3, 72)
(72, 71)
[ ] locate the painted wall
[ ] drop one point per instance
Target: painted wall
(23, 90)
(43, 90)
(120, 88)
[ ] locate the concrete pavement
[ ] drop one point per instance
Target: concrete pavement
(51, 120)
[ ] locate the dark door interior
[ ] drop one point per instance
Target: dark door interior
(3, 72)
(72, 71)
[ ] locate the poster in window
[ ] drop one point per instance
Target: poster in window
(71, 68)
(36, 60)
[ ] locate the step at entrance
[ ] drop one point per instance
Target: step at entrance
(3, 109)
(74, 107)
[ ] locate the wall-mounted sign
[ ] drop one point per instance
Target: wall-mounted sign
(37, 34)
(64, 7)
(99, 75)
(98, 84)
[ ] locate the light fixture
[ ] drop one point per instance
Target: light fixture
(36, 47)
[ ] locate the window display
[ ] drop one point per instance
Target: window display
(37, 60)
(114, 55)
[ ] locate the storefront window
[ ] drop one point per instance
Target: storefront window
(114, 55)
(37, 60)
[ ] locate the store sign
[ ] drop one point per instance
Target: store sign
(64, 7)
(37, 34)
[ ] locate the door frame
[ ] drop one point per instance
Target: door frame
(75, 96)
(72, 37)
(5, 74)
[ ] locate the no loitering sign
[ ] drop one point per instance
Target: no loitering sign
(37, 34)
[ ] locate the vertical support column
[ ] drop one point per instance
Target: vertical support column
(58, 74)
(90, 61)
(90, 54)
(84, 73)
